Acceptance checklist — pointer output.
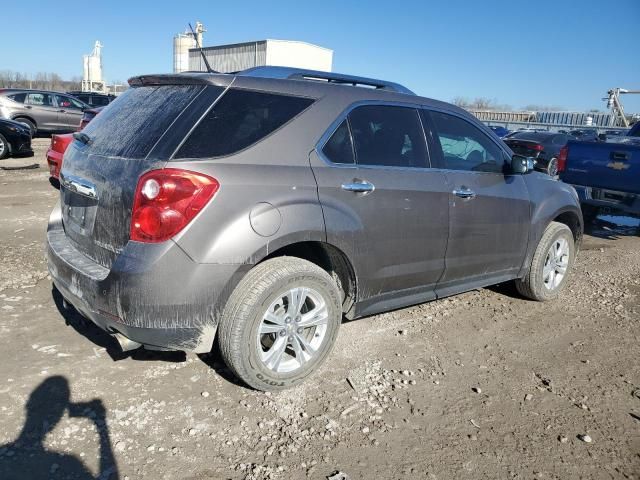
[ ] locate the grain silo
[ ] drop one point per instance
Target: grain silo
(182, 43)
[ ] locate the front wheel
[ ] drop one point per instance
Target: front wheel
(552, 167)
(280, 323)
(551, 264)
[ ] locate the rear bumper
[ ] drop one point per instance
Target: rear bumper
(609, 200)
(54, 161)
(153, 294)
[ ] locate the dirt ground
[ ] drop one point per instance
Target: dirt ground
(481, 385)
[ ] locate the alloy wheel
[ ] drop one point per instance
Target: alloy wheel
(556, 264)
(292, 330)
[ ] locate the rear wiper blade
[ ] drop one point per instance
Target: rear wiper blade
(82, 137)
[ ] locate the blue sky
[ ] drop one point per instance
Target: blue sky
(563, 53)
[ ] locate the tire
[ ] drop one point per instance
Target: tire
(552, 167)
(543, 283)
(28, 123)
(268, 290)
(5, 148)
(589, 214)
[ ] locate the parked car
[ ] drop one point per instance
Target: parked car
(15, 139)
(544, 147)
(59, 144)
(585, 134)
(500, 131)
(606, 175)
(262, 207)
(93, 99)
(42, 111)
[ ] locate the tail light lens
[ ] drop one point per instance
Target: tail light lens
(166, 200)
(537, 147)
(562, 158)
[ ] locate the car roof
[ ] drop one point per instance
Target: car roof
(310, 83)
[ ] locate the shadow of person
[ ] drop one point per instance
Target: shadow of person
(27, 456)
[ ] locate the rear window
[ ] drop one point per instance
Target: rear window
(240, 119)
(536, 137)
(132, 124)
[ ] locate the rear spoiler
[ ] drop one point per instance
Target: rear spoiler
(187, 78)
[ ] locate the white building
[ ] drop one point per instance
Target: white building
(281, 53)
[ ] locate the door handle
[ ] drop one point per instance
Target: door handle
(464, 193)
(359, 187)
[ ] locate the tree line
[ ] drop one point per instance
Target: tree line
(40, 81)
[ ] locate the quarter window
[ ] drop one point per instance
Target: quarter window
(240, 119)
(339, 148)
(464, 146)
(18, 97)
(388, 136)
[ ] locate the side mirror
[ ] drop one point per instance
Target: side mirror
(521, 164)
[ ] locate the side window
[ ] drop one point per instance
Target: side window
(388, 136)
(464, 146)
(39, 99)
(240, 119)
(339, 148)
(100, 101)
(18, 97)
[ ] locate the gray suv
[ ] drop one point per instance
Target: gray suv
(259, 209)
(42, 111)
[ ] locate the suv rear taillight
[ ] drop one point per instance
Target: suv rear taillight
(562, 158)
(166, 200)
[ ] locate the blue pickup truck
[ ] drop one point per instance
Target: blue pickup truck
(606, 175)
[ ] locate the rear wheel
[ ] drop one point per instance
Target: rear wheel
(551, 264)
(552, 167)
(4, 147)
(28, 123)
(280, 323)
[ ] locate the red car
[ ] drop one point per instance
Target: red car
(59, 144)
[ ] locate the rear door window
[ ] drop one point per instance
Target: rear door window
(136, 120)
(465, 146)
(39, 99)
(238, 120)
(388, 136)
(339, 148)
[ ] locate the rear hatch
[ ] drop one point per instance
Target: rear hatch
(612, 166)
(135, 133)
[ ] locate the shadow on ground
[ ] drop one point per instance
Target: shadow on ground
(27, 457)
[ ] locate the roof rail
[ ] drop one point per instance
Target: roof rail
(328, 77)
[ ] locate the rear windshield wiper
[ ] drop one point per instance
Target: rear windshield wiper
(82, 137)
